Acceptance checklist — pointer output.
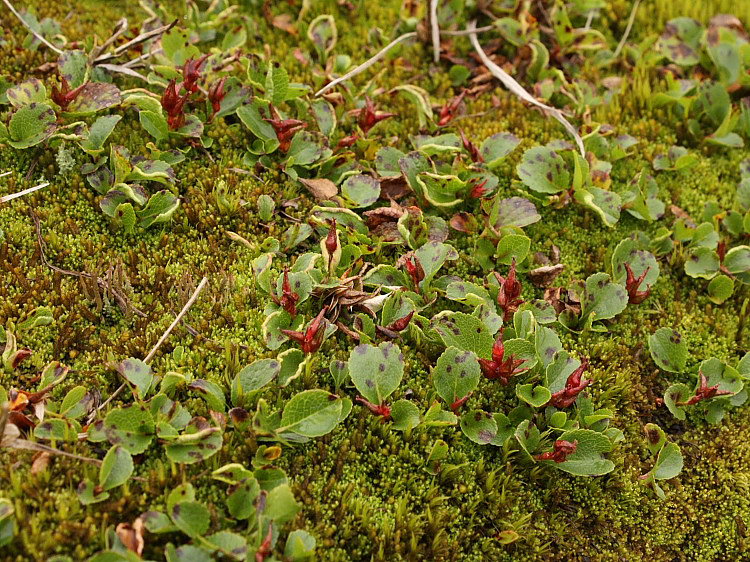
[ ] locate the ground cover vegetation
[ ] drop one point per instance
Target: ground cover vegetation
(331, 280)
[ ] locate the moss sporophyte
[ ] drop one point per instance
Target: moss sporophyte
(332, 280)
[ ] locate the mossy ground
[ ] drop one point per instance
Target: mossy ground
(363, 492)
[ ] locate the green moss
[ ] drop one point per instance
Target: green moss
(363, 491)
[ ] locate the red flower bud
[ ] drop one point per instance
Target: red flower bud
(332, 242)
(633, 283)
(289, 298)
(383, 410)
(573, 387)
(456, 405)
(499, 367)
(191, 73)
(400, 324)
(471, 148)
(369, 117)
(509, 295)
(285, 128)
(449, 110)
(560, 451)
(704, 392)
(65, 95)
(311, 339)
(265, 550)
(479, 191)
(415, 271)
(216, 94)
(346, 142)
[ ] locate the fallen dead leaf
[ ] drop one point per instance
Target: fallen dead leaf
(131, 536)
(321, 188)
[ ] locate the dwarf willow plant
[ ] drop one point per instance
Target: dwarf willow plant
(719, 386)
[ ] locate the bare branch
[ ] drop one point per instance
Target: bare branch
(12, 196)
(516, 88)
(435, 30)
(368, 63)
(27, 26)
(631, 19)
(159, 343)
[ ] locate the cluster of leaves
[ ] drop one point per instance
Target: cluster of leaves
(718, 385)
(708, 67)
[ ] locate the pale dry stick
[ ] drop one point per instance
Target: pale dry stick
(12, 196)
(4, 174)
(631, 19)
(516, 88)
(159, 343)
(121, 69)
(133, 42)
(143, 57)
(435, 30)
(368, 63)
(380, 54)
(27, 26)
(589, 20)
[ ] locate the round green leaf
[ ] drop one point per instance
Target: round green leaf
(668, 350)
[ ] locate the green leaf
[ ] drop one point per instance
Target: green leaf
(325, 116)
(360, 191)
(226, 541)
(305, 149)
(138, 374)
(536, 396)
(198, 442)
(668, 350)
(41, 316)
(702, 262)
(98, 133)
(26, 93)
(31, 125)
(588, 459)
(421, 100)
(159, 209)
(439, 144)
(211, 393)
(456, 374)
(155, 124)
(292, 361)
(311, 413)
(444, 191)
(323, 33)
(130, 426)
(513, 211)
(7, 522)
(277, 84)
(116, 468)
(512, 247)
(720, 288)
(496, 147)
(481, 428)
(93, 97)
(376, 371)
(88, 493)
(605, 203)
(544, 170)
(57, 429)
(191, 517)
(300, 545)
(241, 498)
(602, 298)
(281, 505)
(405, 415)
(432, 256)
(680, 41)
(253, 377)
(339, 372)
(76, 403)
(655, 437)
(627, 252)
(669, 462)
(387, 162)
(674, 395)
(465, 332)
